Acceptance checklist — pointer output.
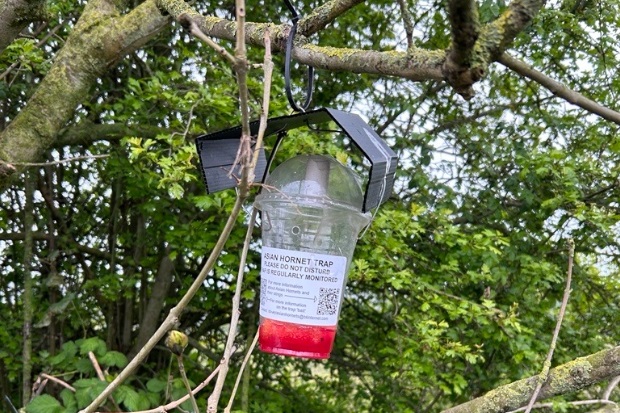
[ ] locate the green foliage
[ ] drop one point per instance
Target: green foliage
(44, 404)
(454, 287)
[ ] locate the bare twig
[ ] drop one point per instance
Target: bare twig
(101, 376)
(407, 21)
(178, 402)
(544, 375)
(234, 320)
(57, 380)
(558, 89)
(249, 169)
(241, 69)
(186, 381)
(95, 364)
(245, 362)
(610, 387)
(195, 30)
(262, 126)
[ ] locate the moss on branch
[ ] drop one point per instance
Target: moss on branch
(572, 376)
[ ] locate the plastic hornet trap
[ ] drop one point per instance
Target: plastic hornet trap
(312, 211)
(217, 152)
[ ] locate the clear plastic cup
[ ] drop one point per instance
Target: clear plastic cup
(311, 217)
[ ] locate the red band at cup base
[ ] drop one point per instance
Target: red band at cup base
(298, 340)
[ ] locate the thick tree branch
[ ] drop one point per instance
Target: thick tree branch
(493, 39)
(99, 39)
(417, 64)
(15, 15)
(500, 33)
(559, 89)
(575, 375)
(102, 37)
(465, 27)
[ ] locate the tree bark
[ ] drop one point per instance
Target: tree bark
(15, 16)
(159, 292)
(99, 40)
(102, 37)
(572, 376)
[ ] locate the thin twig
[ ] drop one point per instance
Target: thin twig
(95, 363)
(234, 319)
(407, 21)
(248, 174)
(264, 115)
(245, 362)
(610, 387)
(542, 378)
(195, 30)
(57, 380)
(189, 122)
(186, 381)
(178, 402)
(558, 89)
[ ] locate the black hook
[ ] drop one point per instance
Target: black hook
(287, 66)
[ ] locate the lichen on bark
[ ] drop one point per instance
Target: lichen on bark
(572, 376)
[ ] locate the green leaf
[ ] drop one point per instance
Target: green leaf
(175, 191)
(156, 385)
(134, 401)
(114, 358)
(94, 344)
(68, 400)
(44, 404)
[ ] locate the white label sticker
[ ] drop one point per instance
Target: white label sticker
(301, 287)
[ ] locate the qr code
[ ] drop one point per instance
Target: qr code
(328, 301)
(263, 293)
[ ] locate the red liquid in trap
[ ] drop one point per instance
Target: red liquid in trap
(297, 340)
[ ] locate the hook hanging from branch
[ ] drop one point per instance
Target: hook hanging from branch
(287, 66)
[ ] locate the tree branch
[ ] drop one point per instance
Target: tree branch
(407, 22)
(559, 89)
(465, 27)
(98, 40)
(417, 64)
(15, 15)
(572, 376)
(493, 39)
(324, 15)
(157, 299)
